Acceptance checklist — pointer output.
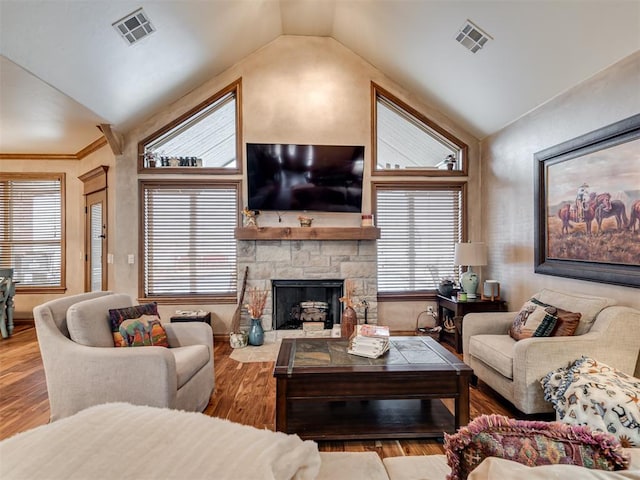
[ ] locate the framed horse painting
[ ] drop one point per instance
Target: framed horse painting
(587, 207)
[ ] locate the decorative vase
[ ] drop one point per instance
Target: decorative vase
(348, 322)
(256, 332)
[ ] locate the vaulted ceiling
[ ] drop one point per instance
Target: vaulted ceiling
(64, 69)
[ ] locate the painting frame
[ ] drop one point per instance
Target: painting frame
(576, 150)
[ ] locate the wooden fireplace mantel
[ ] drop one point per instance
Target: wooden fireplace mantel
(307, 233)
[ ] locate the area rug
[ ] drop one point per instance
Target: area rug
(268, 352)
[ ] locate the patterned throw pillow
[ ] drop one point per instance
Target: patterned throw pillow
(533, 320)
(137, 326)
(537, 319)
(531, 443)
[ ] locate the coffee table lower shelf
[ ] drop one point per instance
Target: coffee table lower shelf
(369, 419)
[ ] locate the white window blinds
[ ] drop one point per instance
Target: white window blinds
(32, 229)
(209, 135)
(189, 247)
(419, 228)
(403, 141)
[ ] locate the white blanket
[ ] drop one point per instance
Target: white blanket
(594, 394)
(123, 441)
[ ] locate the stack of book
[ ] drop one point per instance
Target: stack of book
(369, 341)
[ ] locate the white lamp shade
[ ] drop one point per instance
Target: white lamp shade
(471, 254)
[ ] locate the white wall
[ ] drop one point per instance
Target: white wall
(295, 90)
(507, 179)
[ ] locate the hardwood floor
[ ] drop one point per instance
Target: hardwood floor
(245, 393)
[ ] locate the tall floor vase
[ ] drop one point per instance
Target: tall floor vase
(256, 332)
(349, 321)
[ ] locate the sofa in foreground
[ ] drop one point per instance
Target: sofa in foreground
(124, 441)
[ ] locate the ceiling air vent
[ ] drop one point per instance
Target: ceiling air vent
(472, 37)
(134, 27)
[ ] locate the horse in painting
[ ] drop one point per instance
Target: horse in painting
(617, 209)
(568, 215)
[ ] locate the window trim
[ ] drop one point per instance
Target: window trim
(62, 288)
(377, 90)
(176, 300)
(235, 87)
(411, 295)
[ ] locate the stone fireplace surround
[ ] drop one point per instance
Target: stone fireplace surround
(311, 259)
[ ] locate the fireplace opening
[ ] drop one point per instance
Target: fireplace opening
(312, 304)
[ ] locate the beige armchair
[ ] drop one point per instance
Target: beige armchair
(610, 334)
(83, 368)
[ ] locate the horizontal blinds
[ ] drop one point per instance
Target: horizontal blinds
(210, 135)
(189, 247)
(419, 228)
(31, 230)
(405, 141)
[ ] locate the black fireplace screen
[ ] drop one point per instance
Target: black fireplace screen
(299, 301)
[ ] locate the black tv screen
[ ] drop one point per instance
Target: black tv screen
(325, 178)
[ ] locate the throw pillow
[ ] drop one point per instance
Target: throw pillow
(567, 322)
(533, 320)
(137, 326)
(531, 443)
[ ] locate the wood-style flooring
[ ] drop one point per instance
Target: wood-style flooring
(244, 393)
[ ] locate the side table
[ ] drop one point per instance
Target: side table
(456, 310)
(199, 316)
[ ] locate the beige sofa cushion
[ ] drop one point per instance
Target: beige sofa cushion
(420, 467)
(494, 350)
(588, 305)
(88, 321)
(189, 360)
(500, 469)
(351, 466)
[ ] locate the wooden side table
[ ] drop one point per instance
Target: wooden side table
(456, 310)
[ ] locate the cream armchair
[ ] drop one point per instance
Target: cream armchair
(610, 334)
(83, 368)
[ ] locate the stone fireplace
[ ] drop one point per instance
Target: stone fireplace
(302, 260)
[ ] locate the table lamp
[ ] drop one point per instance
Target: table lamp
(472, 254)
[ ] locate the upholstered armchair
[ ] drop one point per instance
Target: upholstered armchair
(607, 333)
(83, 368)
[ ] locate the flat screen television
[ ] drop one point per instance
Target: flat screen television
(324, 178)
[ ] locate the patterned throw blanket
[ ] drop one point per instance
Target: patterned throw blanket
(591, 393)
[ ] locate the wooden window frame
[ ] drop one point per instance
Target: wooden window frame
(235, 87)
(377, 90)
(425, 295)
(181, 299)
(63, 235)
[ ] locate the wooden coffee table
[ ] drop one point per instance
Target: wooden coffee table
(324, 393)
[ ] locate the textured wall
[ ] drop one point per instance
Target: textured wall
(507, 178)
(295, 90)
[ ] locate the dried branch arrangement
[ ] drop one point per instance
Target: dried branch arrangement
(257, 301)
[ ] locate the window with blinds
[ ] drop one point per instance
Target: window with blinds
(207, 137)
(405, 139)
(188, 247)
(32, 230)
(420, 225)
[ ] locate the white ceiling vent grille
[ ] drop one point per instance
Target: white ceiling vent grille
(134, 27)
(472, 37)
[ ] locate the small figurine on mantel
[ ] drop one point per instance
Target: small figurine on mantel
(250, 219)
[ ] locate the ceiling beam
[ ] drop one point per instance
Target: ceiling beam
(114, 139)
